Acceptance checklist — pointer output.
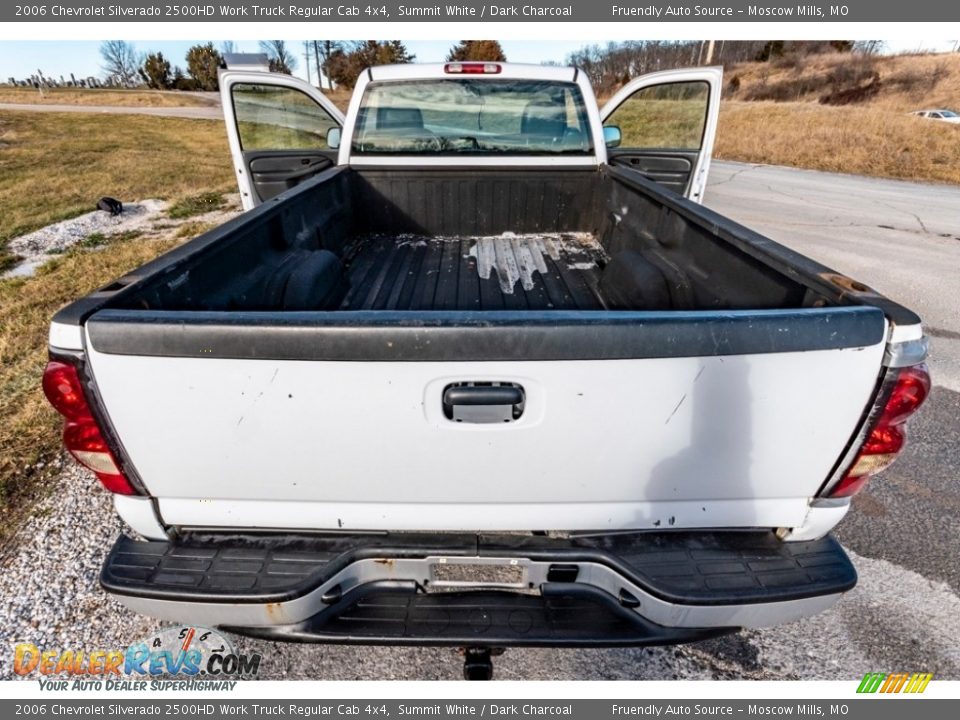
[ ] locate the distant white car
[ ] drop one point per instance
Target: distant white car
(943, 115)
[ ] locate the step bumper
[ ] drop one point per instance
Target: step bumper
(625, 589)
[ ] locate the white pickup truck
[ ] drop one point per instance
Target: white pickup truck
(477, 369)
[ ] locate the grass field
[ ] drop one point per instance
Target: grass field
(849, 139)
(80, 96)
(57, 165)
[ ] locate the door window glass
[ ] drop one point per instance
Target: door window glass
(671, 115)
(273, 117)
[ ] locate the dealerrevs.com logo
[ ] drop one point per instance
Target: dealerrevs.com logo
(174, 658)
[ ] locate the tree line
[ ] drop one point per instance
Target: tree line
(339, 62)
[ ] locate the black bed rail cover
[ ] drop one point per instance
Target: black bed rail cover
(470, 336)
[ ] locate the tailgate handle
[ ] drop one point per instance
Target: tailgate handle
(483, 402)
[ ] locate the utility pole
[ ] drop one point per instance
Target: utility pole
(306, 58)
(316, 57)
(710, 46)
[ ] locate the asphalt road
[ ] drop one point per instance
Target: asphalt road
(903, 535)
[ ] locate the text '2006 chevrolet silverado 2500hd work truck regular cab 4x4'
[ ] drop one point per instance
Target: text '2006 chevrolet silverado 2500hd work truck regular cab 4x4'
(476, 368)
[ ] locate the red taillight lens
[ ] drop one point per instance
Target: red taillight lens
(472, 68)
(912, 388)
(888, 433)
(62, 387)
(81, 435)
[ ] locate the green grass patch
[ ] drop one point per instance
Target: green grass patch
(196, 205)
(55, 166)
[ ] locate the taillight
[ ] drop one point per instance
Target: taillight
(81, 434)
(62, 387)
(472, 68)
(888, 432)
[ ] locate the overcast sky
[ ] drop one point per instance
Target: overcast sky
(22, 59)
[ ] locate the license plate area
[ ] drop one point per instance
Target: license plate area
(465, 573)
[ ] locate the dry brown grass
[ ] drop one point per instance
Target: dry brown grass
(80, 96)
(906, 82)
(57, 165)
(340, 98)
(849, 139)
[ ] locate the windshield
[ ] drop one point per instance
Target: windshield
(948, 113)
(472, 116)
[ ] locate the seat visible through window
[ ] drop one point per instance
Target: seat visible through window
(543, 119)
(399, 117)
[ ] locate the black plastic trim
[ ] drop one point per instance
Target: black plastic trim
(471, 336)
(482, 395)
(564, 615)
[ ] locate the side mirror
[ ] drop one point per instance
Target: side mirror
(611, 136)
(333, 138)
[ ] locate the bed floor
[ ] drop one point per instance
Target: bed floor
(557, 271)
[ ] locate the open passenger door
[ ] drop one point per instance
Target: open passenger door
(279, 128)
(667, 123)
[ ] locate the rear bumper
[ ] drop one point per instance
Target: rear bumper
(481, 590)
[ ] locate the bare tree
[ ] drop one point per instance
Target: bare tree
(282, 59)
(228, 47)
(323, 50)
(120, 60)
(869, 47)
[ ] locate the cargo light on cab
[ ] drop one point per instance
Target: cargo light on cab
(472, 68)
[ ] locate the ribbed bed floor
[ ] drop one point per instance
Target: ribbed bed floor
(506, 272)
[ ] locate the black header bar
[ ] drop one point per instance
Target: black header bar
(639, 11)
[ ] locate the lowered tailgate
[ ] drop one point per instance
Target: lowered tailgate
(627, 420)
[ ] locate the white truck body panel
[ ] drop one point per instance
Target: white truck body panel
(612, 444)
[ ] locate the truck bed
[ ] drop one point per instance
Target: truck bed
(535, 271)
(532, 240)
